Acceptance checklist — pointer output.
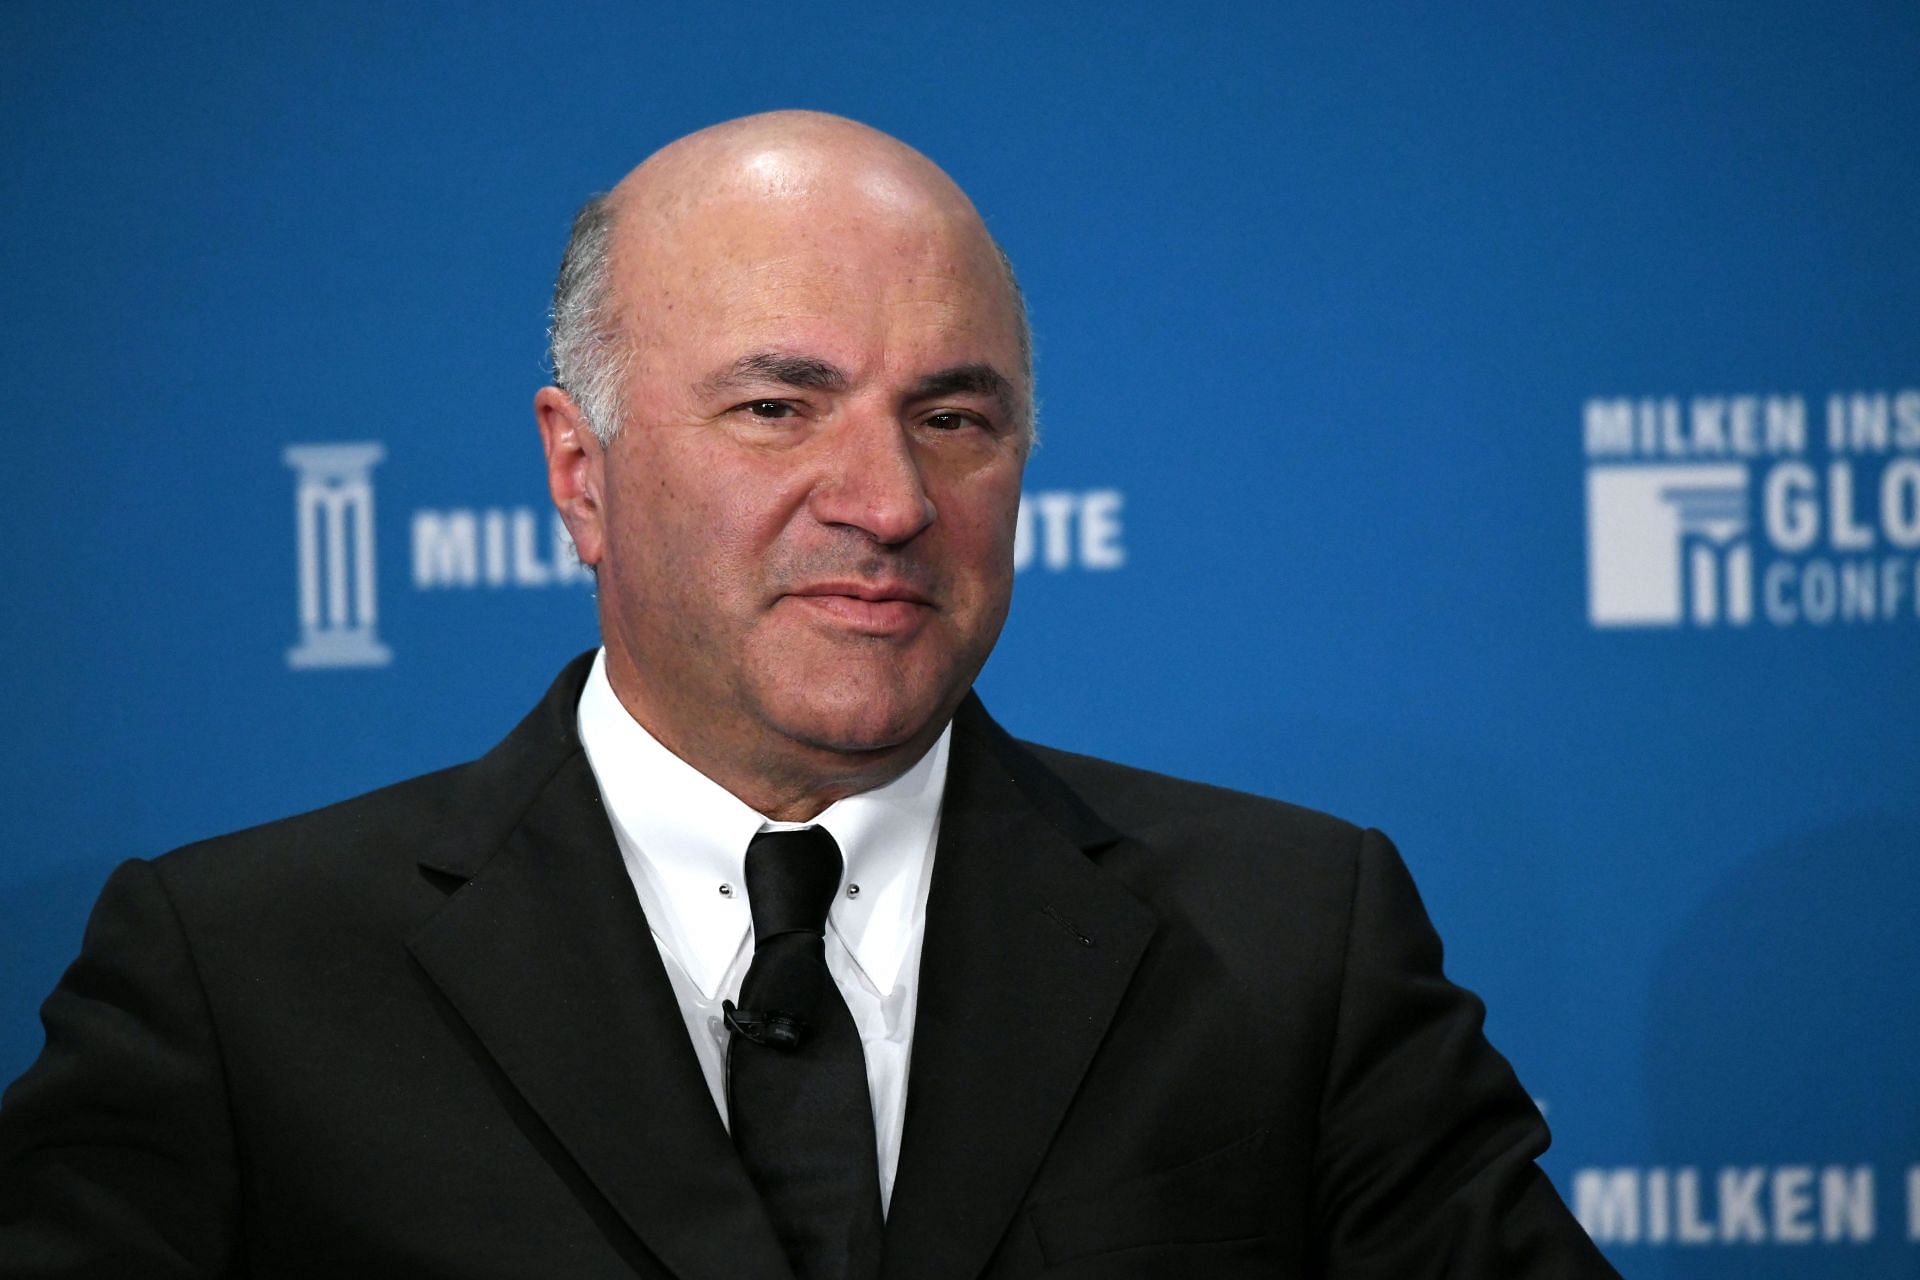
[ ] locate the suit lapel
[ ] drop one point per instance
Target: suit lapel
(546, 955)
(1029, 948)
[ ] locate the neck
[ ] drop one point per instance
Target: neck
(784, 779)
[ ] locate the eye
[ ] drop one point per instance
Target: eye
(770, 409)
(953, 420)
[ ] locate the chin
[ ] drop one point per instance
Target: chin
(865, 722)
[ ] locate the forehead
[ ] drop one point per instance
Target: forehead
(852, 280)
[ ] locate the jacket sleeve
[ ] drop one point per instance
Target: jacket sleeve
(116, 1147)
(1425, 1159)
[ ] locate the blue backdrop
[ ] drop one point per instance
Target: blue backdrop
(1494, 423)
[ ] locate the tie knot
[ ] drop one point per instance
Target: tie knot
(791, 879)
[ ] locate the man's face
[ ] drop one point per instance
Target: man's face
(809, 511)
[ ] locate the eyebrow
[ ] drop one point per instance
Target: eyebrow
(809, 373)
(966, 380)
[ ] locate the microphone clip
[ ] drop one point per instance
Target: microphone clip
(772, 1028)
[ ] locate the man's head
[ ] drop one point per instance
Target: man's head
(587, 345)
(794, 404)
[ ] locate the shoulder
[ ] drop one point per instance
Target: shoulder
(1178, 813)
(1134, 799)
(455, 817)
(1268, 898)
(1264, 879)
(1092, 800)
(374, 825)
(334, 872)
(1169, 836)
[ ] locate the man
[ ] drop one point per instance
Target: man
(543, 1015)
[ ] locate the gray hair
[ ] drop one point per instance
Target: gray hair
(584, 343)
(589, 354)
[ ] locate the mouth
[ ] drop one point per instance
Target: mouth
(869, 608)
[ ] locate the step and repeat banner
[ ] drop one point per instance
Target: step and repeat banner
(1496, 424)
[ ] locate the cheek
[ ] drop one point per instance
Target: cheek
(693, 516)
(985, 510)
(704, 553)
(741, 530)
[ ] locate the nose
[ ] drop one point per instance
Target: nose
(872, 480)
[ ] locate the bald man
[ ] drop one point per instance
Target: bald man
(758, 949)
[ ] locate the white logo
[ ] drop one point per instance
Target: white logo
(1066, 529)
(473, 548)
(333, 513)
(1730, 511)
(494, 547)
(1743, 1206)
(1661, 540)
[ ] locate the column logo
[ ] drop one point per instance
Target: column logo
(339, 591)
(1665, 543)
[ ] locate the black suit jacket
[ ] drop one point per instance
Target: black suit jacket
(1163, 1030)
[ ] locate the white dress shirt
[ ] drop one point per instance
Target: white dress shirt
(684, 838)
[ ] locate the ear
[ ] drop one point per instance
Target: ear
(576, 470)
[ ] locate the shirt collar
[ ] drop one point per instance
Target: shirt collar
(683, 836)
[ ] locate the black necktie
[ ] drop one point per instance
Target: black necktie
(796, 1076)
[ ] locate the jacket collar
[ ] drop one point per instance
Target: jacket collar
(1029, 948)
(544, 952)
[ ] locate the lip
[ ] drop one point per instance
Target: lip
(871, 608)
(876, 592)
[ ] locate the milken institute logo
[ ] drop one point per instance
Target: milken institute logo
(1727, 511)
